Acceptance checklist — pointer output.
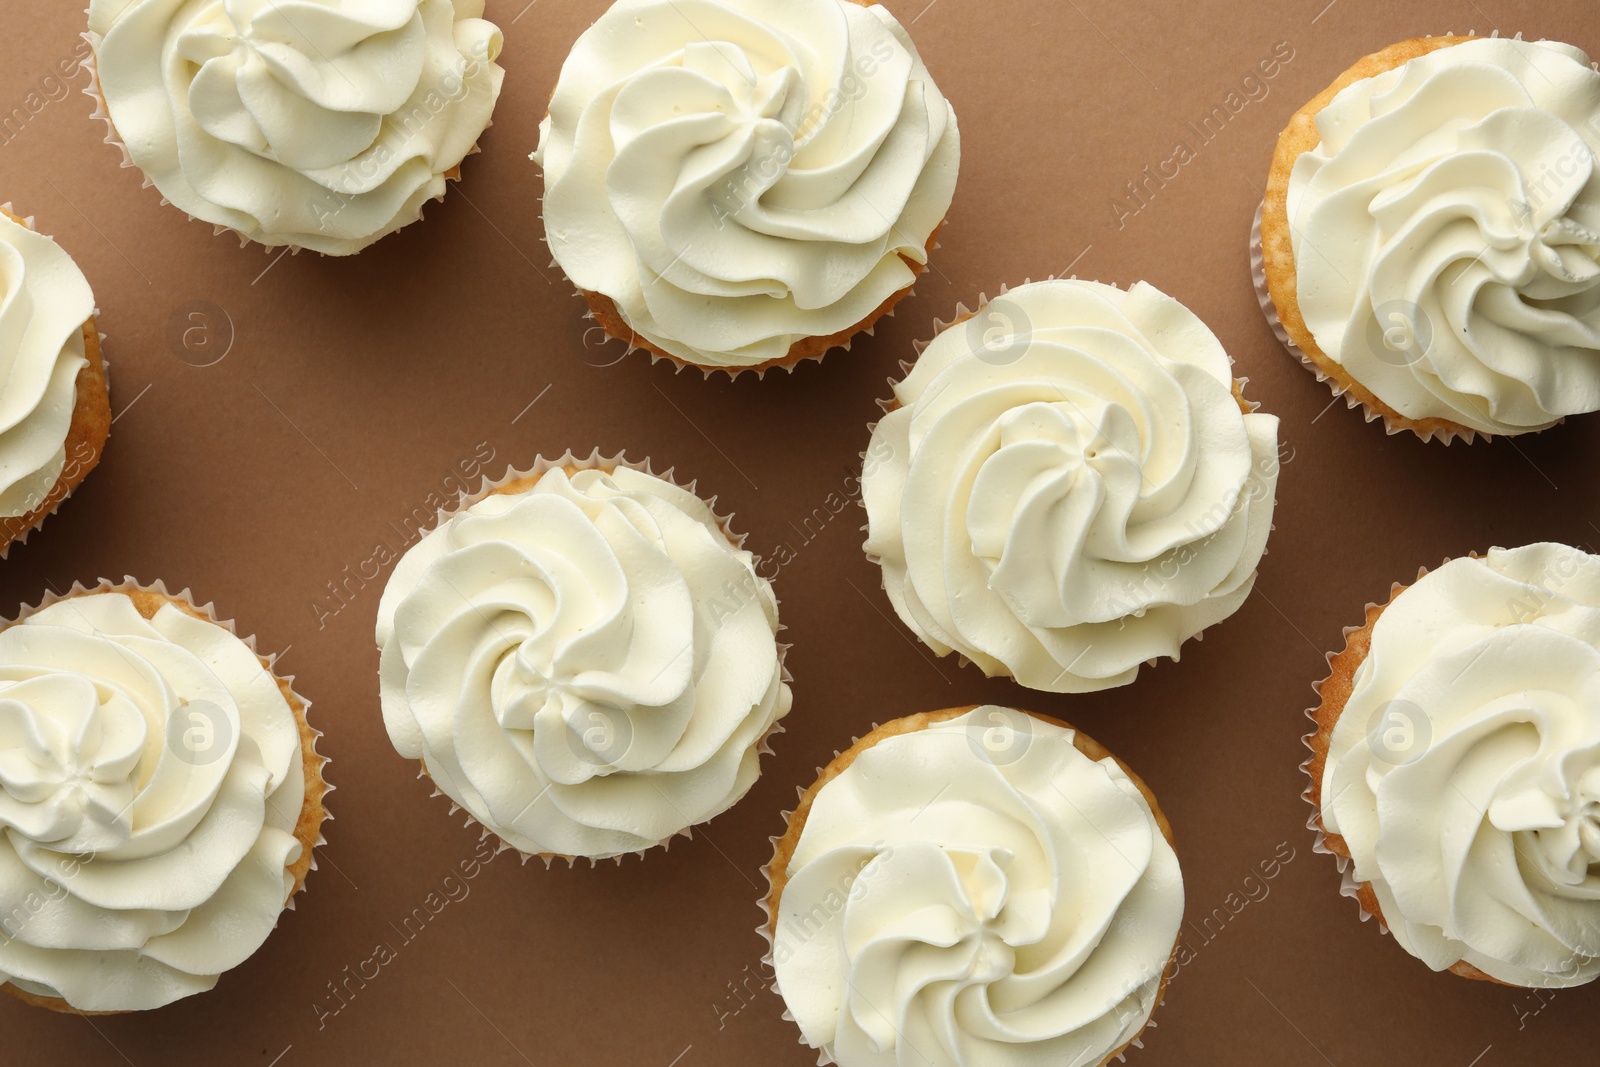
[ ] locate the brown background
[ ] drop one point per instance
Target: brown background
(353, 388)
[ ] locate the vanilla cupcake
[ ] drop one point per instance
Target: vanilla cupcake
(55, 412)
(160, 793)
(745, 184)
(322, 126)
(584, 659)
(1069, 483)
(1456, 766)
(977, 886)
(1430, 240)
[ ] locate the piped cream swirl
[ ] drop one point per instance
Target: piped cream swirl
(1068, 486)
(587, 666)
(151, 779)
(1464, 770)
(738, 175)
(977, 893)
(1446, 234)
(44, 303)
(323, 125)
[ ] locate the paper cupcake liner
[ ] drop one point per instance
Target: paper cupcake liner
(596, 460)
(919, 346)
(103, 114)
(787, 363)
(770, 921)
(105, 370)
(315, 767)
(1349, 886)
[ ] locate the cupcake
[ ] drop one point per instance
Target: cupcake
(161, 796)
(1069, 483)
(55, 413)
(325, 129)
(1430, 240)
(1455, 769)
(977, 886)
(744, 184)
(584, 659)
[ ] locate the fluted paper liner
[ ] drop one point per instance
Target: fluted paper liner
(784, 844)
(94, 347)
(313, 812)
(103, 114)
(531, 474)
(1332, 693)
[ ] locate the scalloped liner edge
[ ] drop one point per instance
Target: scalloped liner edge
(597, 460)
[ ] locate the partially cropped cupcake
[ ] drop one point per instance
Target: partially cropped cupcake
(584, 659)
(1070, 483)
(160, 796)
(323, 126)
(55, 412)
(1455, 766)
(745, 184)
(979, 887)
(1430, 239)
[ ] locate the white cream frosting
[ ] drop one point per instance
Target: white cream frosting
(588, 666)
(44, 303)
(1464, 771)
(738, 175)
(1068, 487)
(322, 124)
(1446, 234)
(978, 893)
(151, 778)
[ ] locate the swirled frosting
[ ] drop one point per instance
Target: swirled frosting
(151, 778)
(322, 124)
(1068, 486)
(1446, 234)
(738, 175)
(587, 666)
(1464, 770)
(44, 303)
(977, 893)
